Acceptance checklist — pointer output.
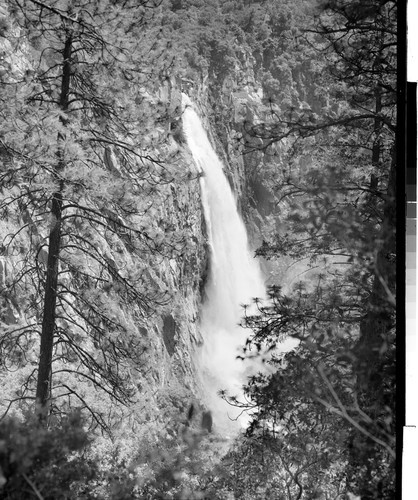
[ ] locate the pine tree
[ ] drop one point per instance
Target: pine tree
(339, 214)
(75, 183)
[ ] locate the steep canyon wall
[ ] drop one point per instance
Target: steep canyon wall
(172, 212)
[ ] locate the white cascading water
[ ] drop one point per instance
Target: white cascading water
(235, 279)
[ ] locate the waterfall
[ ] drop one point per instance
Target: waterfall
(234, 279)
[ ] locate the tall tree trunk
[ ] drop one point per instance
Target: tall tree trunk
(379, 318)
(375, 375)
(43, 388)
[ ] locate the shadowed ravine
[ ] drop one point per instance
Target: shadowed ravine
(234, 279)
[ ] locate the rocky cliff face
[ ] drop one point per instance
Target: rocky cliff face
(175, 275)
(229, 102)
(228, 108)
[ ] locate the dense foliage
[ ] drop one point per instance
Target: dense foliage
(77, 200)
(338, 189)
(86, 167)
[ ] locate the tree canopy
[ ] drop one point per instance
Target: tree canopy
(77, 189)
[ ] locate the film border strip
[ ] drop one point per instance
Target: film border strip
(408, 342)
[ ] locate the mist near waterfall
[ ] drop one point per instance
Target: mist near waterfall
(234, 279)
